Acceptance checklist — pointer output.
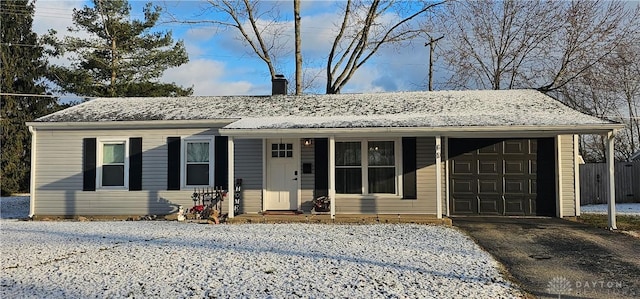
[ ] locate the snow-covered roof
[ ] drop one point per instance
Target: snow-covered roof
(397, 109)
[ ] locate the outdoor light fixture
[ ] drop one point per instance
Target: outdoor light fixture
(308, 142)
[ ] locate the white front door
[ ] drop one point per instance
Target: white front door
(283, 158)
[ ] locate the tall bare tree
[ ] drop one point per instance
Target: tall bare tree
(364, 29)
(576, 51)
(366, 26)
(530, 44)
(259, 24)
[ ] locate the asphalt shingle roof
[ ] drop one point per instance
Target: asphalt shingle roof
(397, 109)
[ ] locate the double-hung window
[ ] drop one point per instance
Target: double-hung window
(113, 164)
(374, 172)
(198, 162)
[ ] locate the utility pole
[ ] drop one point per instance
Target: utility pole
(432, 44)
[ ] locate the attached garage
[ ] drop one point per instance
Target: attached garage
(502, 176)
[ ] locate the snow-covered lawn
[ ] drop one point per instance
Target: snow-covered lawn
(621, 209)
(176, 260)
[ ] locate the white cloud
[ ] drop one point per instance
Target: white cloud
(208, 78)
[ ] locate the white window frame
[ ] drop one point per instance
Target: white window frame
(364, 165)
(183, 160)
(100, 144)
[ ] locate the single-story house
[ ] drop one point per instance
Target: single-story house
(440, 153)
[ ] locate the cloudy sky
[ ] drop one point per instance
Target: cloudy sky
(221, 65)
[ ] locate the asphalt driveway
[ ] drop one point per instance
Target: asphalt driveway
(548, 257)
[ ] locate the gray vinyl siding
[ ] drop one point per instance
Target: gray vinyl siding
(248, 167)
(567, 167)
(58, 175)
(426, 191)
(307, 155)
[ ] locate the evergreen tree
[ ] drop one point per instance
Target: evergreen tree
(121, 57)
(21, 67)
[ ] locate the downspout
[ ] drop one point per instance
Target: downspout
(32, 180)
(611, 200)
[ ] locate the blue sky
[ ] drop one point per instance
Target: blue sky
(221, 65)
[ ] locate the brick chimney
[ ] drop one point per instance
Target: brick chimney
(279, 85)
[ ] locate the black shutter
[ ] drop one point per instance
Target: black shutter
(89, 164)
(409, 188)
(135, 163)
(221, 162)
(173, 163)
(321, 147)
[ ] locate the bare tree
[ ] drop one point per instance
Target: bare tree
(583, 53)
(363, 31)
(530, 44)
(492, 43)
(610, 89)
(259, 24)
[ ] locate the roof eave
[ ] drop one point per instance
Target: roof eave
(138, 124)
(464, 131)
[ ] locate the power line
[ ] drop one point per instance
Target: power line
(39, 95)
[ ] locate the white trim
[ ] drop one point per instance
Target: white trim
(446, 174)
(611, 200)
(332, 175)
(559, 197)
(264, 174)
(32, 182)
(135, 124)
(183, 160)
(576, 174)
(230, 176)
(461, 132)
(438, 177)
(100, 142)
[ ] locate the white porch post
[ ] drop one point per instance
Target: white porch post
(576, 173)
(611, 200)
(332, 175)
(231, 180)
(438, 177)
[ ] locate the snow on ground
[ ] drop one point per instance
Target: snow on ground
(621, 209)
(67, 259)
(14, 207)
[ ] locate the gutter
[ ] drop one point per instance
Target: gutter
(462, 131)
(133, 124)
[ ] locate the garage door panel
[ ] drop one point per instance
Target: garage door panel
(491, 149)
(533, 146)
(514, 166)
(515, 186)
(490, 205)
(533, 186)
(463, 205)
(462, 186)
(488, 186)
(514, 146)
(533, 167)
(515, 206)
(462, 167)
(487, 167)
